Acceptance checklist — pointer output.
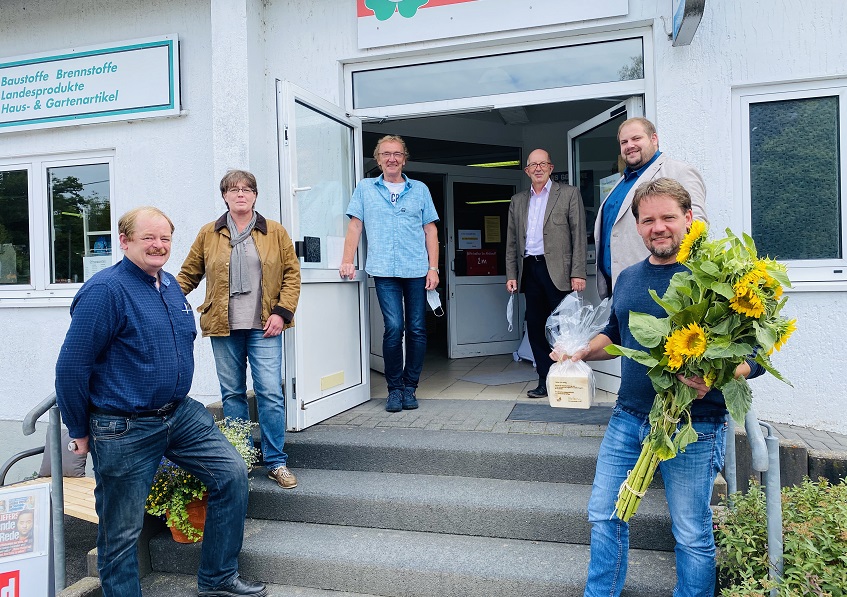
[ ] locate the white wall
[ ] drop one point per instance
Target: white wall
(737, 43)
(164, 162)
(176, 163)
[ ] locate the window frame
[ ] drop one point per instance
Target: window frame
(645, 86)
(40, 290)
(805, 274)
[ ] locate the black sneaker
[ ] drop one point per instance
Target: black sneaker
(539, 392)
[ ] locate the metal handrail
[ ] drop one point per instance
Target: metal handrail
(765, 459)
(54, 432)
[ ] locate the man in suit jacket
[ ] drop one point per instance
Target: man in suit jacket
(545, 251)
(615, 236)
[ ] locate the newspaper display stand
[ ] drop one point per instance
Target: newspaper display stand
(26, 568)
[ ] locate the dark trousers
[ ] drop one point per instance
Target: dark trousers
(542, 297)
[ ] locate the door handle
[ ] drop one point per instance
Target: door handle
(299, 189)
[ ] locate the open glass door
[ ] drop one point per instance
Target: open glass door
(477, 217)
(595, 166)
(326, 368)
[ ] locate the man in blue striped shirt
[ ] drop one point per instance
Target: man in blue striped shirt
(122, 380)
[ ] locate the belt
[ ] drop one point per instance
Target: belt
(535, 257)
(140, 414)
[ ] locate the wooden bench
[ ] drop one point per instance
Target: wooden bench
(79, 496)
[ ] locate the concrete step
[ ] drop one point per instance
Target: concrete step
(180, 585)
(412, 564)
(518, 457)
(530, 510)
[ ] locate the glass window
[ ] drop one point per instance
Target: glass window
(81, 229)
(795, 178)
(325, 191)
(55, 224)
(14, 227)
(585, 64)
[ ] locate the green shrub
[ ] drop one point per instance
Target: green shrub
(814, 522)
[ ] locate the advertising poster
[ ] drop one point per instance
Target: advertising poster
(25, 565)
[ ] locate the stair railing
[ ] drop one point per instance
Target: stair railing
(54, 432)
(765, 459)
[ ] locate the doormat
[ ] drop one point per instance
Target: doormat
(522, 375)
(544, 413)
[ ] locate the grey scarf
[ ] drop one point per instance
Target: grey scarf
(239, 274)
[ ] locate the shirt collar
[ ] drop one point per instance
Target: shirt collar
(546, 188)
(128, 264)
(630, 173)
(380, 180)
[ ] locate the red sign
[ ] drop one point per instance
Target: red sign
(482, 262)
(10, 583)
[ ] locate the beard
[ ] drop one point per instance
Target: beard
(667, 251)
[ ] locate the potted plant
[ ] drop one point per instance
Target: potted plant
(180, 497)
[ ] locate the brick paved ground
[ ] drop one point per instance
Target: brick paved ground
(448, 402)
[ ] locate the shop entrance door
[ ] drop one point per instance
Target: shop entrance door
(593, 157)
(326, 366)
(476, 220)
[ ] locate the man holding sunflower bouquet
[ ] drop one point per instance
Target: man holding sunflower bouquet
(682, 428)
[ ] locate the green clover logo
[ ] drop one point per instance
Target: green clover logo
(384, 9)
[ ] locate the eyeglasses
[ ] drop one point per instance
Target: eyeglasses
(534, 165)
(236, 190)
(392, 154)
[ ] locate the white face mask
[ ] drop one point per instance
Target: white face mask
(509, 308)
(434, 302)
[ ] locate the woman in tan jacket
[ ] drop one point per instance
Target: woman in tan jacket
(252, 288)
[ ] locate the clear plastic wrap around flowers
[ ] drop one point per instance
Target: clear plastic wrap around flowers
(572, 325)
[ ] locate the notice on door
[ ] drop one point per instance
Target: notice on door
(470, 239)
(482, 263)
(492, 229)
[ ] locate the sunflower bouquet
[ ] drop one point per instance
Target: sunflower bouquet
(724, 310)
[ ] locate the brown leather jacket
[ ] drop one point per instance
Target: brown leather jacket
(209, 257)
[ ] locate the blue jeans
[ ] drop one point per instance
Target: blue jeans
(126, 452)
(394, 294)
(688, 480)
(265, 356)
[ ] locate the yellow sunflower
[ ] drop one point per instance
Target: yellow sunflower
(750, 304)
(785, 333)
(710, 377)
(685, 344)
(695, 233)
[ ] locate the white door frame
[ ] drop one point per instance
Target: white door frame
(607, 373)
(306, 408)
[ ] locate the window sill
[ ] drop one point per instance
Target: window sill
(63, 300)
(828, 286)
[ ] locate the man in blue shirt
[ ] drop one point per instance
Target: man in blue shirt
(122, 379)
(663, 215)
(399, 218)
(617, 241)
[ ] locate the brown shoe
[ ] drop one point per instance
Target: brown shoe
(284, 477)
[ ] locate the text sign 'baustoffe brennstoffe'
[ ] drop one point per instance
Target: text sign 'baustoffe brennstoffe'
(122, 81)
